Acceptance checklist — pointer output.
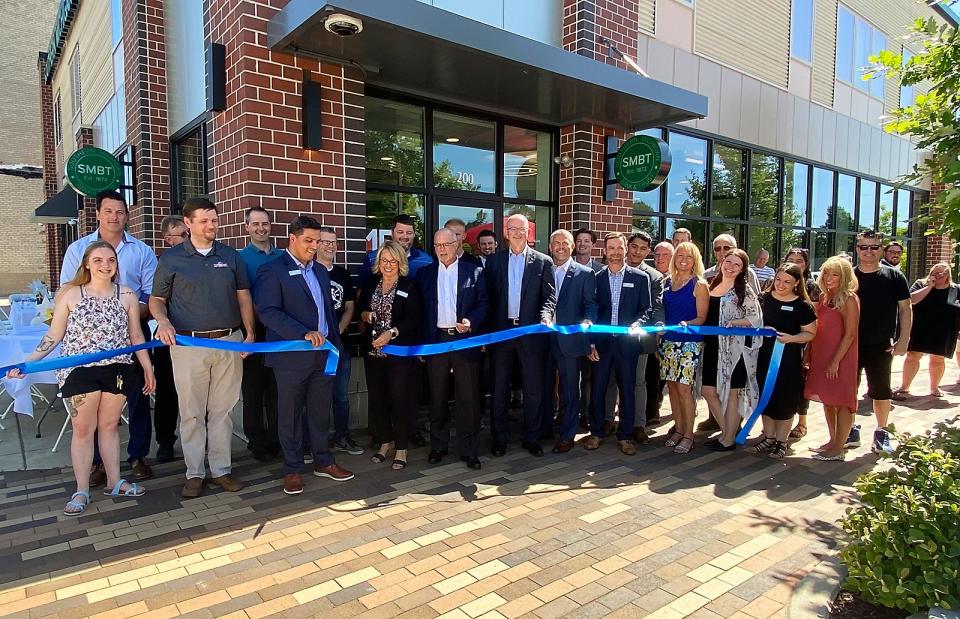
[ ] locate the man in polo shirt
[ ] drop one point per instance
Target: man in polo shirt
(761, 269)
(202, 290)
(136, 263)
(259, 386)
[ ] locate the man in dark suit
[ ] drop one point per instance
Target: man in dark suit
(520, 283)
(649, 387)
(576, 302)
(454, 304)
(623, 299)
(292, 295)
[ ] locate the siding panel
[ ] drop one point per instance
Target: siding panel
(824, 51)
(647, 16)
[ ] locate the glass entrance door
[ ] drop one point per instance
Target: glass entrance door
(477, 215)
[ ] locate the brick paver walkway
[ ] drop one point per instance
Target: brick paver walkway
(581, 535)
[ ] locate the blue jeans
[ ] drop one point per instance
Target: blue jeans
(341, 402)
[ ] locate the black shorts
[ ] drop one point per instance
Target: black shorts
(877, 363)
(114, 378)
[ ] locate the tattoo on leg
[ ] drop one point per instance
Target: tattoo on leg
(46, 344)
(76, 402)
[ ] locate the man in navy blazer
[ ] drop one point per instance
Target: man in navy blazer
(576, 302)
(623, 299)
(520, 283)
(454, 307)
(292, 295)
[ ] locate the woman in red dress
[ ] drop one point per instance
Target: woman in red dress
(832, 355)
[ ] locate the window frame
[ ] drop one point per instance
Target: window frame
(854, 79)
(812, 14)
(76, 86)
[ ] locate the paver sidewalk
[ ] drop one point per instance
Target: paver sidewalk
(587, 534)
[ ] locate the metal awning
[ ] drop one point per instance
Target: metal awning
(60, 209)
(412, 47)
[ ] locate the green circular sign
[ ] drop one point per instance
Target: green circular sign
(92, 170)
(642, 163)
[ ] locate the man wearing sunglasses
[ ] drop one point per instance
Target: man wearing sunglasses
(884, 305)
(723, 245)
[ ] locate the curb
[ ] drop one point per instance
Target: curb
(812, 597)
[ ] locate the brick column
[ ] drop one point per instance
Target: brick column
(940, 247)
(256, 152)
(585, 22)
(55, 249)
(145, 88)
(87, 218)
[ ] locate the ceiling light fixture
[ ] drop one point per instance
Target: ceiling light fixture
(452, 140)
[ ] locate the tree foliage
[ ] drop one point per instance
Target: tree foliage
(934, 118)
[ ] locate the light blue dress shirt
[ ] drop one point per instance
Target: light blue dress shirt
(616, 285)
(136, 263)
(515, 266)
(315, 291)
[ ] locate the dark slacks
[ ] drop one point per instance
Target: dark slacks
(166, 410)
(569, 369)
(390, 398)
(259, 390)
(341, 399)
(300, 392)
(624, 367)
(532, 367)
(654, 386)
(466, 388)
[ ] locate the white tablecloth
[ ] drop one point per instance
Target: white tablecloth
(14, 347)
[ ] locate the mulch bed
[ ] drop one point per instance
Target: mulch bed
(848, 605)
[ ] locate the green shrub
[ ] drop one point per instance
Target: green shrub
(904, 538)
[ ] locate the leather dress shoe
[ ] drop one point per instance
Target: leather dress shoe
(592, 442)
(193, 488)
(333, 471)
(533, 448)
(165, 454)
(228, 482)
(98, 476)
(562, 447)
(292, 483)
(416, 440)
(640, 436)
(141, 470)
(708, 425)
(436, 456)
(498, 449)
(473, 462)
(609, 427)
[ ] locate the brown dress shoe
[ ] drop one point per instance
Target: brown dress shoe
(562, 447)
(141, 470)
(228, 482)
(627, 448)
(592, 442)
(708, 425)
(333, 472)
(98, 476)
(193, 488)
(292, 483)
(640, 436)
(609, 427)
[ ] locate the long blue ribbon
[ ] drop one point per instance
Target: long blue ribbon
(497, 337)
(58, 363)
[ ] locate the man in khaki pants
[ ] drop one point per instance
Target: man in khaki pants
(201, 290)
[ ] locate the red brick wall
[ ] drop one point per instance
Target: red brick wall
(940, 247)
(256, 150)
(87, 219)
(55, 249)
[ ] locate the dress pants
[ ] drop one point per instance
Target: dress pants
(304, 392)
(259, 389)
(654, 387)
(389, 398)
(639, 395)
(341, 399)
(569, 369)
(624, 367)
(208, 387)
(166, 410)
(466, 388)
(502, 359)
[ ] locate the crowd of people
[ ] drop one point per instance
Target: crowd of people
(847, 321)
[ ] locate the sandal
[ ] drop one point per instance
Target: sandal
(936, 393)
(133, 490)
(798, 432)
(779, 451)
(74, 506)
(900, 395)
(398, 464)
(764, 446)
(838, 458)
(377, 458)
(684, 446)
(671, 442)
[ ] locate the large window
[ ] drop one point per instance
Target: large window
(867, 215)
(822, 198)
(857, 40)
(796, 193)
(907, 95)
(464, 153)
(846, 202)
(801, 30)
(688, 175)
(189, 165)
(727, 182)
(393, 142)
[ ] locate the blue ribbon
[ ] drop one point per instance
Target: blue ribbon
(59, 363)
(502, 336)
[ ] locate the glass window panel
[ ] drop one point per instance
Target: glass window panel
(822, 198)
(537, 19)
(539, 217)
(867, 216)
(764, 188)
(847, 243)
(844, 44)
(790, 239)
(796, 190)
(877, 83)
(686, 184)
(904, 212)
(762, 237)
(476, 218)
(906, 92)
(488, 12)
(464, 153)
(393, 142)
(383, 206)
(527, 163)
(716, 229)
(862, 51)
(846, 201)
(190, 160)
(885, 223)
(650, 225)
(697, 230)
(801, 30)
(822, 242)
(646, 203)
(727, 182)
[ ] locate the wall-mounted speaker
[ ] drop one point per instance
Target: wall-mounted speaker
(216, 70)
(311, 113)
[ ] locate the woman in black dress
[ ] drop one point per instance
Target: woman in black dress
(936, 309)
(786, 308)
(800, 256)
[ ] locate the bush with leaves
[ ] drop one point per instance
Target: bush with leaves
(904, 548)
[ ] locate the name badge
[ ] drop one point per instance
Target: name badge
(401, 293)
(294, 272)
(627, 284)
(787, 308)
(221, 265)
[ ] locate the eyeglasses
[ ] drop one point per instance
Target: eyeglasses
(443, 245)
(182, 235)
(868, 247)
(328, 243)
(516, 229)
(388, 261)
(722, 248)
